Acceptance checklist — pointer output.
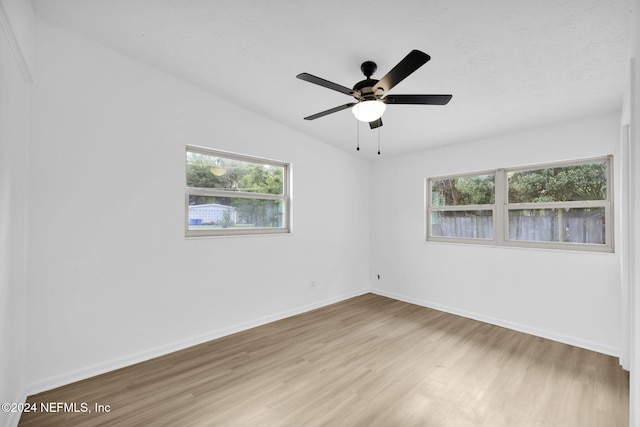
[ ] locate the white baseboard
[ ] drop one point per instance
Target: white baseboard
(577, 342)
(101, 368)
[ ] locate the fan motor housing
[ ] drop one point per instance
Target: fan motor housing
(365, 87)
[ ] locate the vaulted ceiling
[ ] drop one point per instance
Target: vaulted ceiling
(510, 64)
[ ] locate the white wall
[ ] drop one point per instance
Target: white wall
(14, 113)
(572, 297)
(111, 284)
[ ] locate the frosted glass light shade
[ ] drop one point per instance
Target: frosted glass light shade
(369, 111)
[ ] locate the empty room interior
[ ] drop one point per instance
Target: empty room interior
(329, 213)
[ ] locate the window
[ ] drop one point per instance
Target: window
(231, 194)
(463, 207)
(563, 206)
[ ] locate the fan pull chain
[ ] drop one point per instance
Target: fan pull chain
(358, 134)
(378, 141)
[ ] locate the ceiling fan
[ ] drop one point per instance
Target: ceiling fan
(372, 95)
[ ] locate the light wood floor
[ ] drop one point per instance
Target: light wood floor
(367, 361)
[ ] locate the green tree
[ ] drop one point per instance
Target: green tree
(568, 183)
(261, 179)
(470, 190)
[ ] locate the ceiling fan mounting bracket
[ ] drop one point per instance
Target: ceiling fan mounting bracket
(368, 68)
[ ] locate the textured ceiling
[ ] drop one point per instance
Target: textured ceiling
(510, 64)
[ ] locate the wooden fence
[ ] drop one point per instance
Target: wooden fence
(575, 229)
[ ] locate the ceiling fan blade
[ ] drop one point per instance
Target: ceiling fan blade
(417, 99)
(330, 111)
(376, 123)
(325, 83)
(414, 60)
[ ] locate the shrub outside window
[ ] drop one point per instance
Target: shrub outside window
(232, 194)
(562, 206)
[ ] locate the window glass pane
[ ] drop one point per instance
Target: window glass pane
(211, 171)
(468, 190)
(574, 225)
(206, 213)
(464, 224)
(562, 184)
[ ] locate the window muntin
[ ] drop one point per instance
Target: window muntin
(562, 206)
(230, 194)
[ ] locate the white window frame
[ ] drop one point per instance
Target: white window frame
(285, 198)
(502, 207)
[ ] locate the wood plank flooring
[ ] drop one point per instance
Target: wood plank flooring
(367, 361)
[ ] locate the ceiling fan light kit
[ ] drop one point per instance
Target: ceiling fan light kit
(371, 94)
(369, 111)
